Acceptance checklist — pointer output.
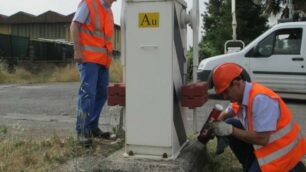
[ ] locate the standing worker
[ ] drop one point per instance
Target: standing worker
(258, 124)
(92, 31)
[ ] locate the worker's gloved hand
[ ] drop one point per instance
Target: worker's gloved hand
(222, 129)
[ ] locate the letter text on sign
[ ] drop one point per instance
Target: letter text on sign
(148, 20)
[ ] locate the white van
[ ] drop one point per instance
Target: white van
(276, 59)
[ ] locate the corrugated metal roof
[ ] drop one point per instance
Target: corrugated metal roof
(53, 17)
(2, 18)
(21, 17)
(70, 16)
(47, 17)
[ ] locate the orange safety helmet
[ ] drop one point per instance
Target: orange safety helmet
(224, 74)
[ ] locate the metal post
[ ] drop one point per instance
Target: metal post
(195, 28)
(234, 22)
(123, 41)
(290, 6)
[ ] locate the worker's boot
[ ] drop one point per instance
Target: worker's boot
(98, 133)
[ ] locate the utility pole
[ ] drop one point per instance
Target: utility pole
(290, 6)
(234, 36)
(234, 21)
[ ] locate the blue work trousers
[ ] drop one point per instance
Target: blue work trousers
(92, 95)
(242, 150)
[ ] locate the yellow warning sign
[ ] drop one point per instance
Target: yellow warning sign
(148, 20)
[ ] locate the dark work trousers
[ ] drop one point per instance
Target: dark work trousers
(92, 96)
(242, 150)
(245, 152)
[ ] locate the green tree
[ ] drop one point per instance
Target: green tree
(218, 24)
(276, 6)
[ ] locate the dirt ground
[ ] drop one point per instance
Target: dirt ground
(42, 110)
(26, 129)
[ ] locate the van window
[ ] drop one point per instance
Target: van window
(288, 41)
(284, 41)
(265, 47)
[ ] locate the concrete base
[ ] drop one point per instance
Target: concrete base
(193, 158)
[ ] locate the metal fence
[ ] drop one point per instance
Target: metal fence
(14, 46)
(18, 48)
(51, 51)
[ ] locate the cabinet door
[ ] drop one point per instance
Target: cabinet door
(149, 91)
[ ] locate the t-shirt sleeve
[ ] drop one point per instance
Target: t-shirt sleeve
(265, 113)
(229, 110)
(82, 13)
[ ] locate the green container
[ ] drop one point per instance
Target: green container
(14, 47)
(5, 45)
(20, 46)
(51, 51)
(68, 52)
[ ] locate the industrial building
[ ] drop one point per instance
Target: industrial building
(48, 25)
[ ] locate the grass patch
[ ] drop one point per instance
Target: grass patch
(42, 73)
(30, 155)
(68, 73)
(3, 129)
(45, 154)
(225, 162)
(116, 71)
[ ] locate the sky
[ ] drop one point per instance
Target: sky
(65, 7)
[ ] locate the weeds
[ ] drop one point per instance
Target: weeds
(67, 73)
(225, 162)
(31, 155)
(42, 155)
(3, 129)
(116, 72)
(51, 73)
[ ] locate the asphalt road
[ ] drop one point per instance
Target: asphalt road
(43, 109)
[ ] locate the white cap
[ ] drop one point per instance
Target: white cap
(219, 107)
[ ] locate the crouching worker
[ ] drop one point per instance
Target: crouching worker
(258, 124)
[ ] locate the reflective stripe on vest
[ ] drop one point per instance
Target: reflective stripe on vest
(280, 153)
(277, 135)
(98, 25)
(97, 17)
(97, 49)
(96, 34)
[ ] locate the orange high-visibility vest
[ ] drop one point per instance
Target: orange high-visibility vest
(96, 37)
(286, 146)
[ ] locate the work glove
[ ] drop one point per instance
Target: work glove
(221, 128)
